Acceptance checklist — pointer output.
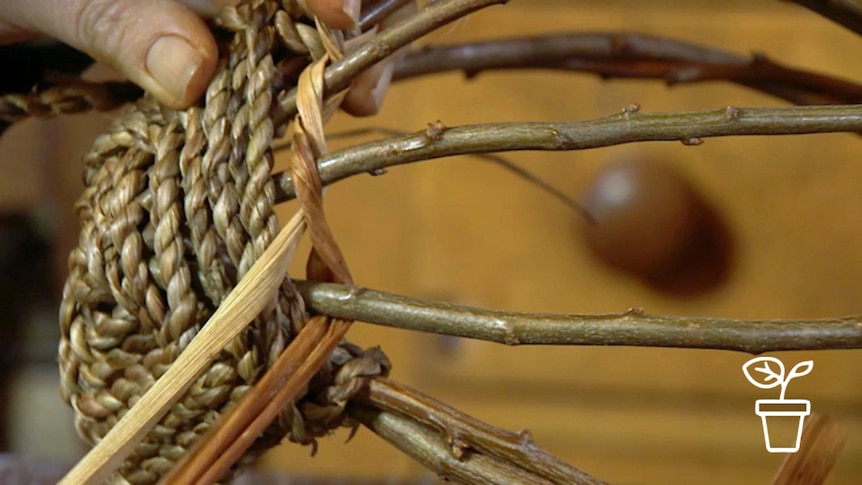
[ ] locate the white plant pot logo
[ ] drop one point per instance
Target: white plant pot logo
(766, 373)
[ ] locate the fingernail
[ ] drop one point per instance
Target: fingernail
(175, 66)
(352, 8)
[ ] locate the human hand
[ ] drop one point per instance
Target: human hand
(162, 45)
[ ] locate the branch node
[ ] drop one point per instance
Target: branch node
(510, 339)
(525, 437)
(354, 292)
(457, 446)
(732, 113)
(759, 58)
(435, 130)
(630, 110)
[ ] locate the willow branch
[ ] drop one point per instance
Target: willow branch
(628, 127)
(455, 445)
(628, 55)
(497, 160)
(374, 11)
(339, 75)
(632, 328)
(429, 449)
(844, 12)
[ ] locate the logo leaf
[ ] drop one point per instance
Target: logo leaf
(763, 382)
(801, 369)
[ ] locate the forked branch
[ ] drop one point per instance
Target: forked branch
(456, 445)
(632, 328)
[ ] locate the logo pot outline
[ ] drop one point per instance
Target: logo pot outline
(770, 374)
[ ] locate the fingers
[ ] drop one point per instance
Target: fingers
(161, 45)
(339, 14)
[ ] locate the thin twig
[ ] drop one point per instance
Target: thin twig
(687, 127)
(375, 11)
(630, 55)
(632, 328)
(844, 12)
(339, 75)
(502, 162)
(428, 448)
(458, 440)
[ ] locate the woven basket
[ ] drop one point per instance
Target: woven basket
(177, 207)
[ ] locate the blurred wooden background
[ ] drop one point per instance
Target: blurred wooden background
(465, 231)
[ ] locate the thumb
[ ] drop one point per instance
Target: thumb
(161, 45)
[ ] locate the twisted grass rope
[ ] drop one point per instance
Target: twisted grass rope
(177, 207)
(65, 97)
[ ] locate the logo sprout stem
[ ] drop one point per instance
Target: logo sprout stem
(774, 378)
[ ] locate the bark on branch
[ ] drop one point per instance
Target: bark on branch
(457, 446)
(631, 328)
(633, 56)
(627, 127)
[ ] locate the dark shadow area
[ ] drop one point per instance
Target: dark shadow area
(24, 280)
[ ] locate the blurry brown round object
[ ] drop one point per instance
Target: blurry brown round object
(651, 222)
